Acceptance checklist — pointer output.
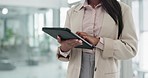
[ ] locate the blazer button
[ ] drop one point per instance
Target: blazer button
(95, 68)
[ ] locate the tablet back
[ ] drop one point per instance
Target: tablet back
(66, 34)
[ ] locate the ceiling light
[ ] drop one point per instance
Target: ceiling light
(4, 11)
(73, 1)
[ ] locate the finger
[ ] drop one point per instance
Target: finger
(59, 39)
(87, 38)
(78, 32)
(76, 43)
(81, 33)
(80, 42)
(71, 42)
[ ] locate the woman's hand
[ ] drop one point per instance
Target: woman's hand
(67, 45)
(91, 39)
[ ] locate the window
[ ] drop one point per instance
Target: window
(63, 12)
(145, 13)
(32, 54)
(140, 63)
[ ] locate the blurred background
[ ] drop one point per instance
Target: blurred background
(27, 52)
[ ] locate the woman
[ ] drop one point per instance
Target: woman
(106, 24)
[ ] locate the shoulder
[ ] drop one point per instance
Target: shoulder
(75, 8)
(124, 7)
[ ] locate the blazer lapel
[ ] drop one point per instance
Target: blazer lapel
(109, 27)
(108, 30)
(77, 19)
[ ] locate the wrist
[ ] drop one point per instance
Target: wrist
(64, 49)
(97, 40)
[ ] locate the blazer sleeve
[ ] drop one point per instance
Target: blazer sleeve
(67, 25)
(125, 47)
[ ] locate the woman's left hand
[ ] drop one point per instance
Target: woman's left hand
(91, 39)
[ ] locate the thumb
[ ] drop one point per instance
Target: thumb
(59, 39)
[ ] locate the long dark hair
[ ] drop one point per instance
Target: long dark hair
(113, 8)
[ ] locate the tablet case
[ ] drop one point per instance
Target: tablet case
(65, 34)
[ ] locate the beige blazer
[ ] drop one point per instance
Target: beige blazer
(107, 60)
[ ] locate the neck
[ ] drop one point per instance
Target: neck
(93, 3)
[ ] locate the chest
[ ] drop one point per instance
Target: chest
(92, 21)
(108, 27)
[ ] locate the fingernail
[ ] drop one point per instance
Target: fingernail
(57, 36)
(76, 40)
(80, 41)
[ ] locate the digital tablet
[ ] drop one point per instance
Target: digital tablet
(66, 34)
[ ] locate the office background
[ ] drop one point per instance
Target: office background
(27, 52)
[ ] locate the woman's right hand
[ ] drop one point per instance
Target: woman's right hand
(67, 45)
